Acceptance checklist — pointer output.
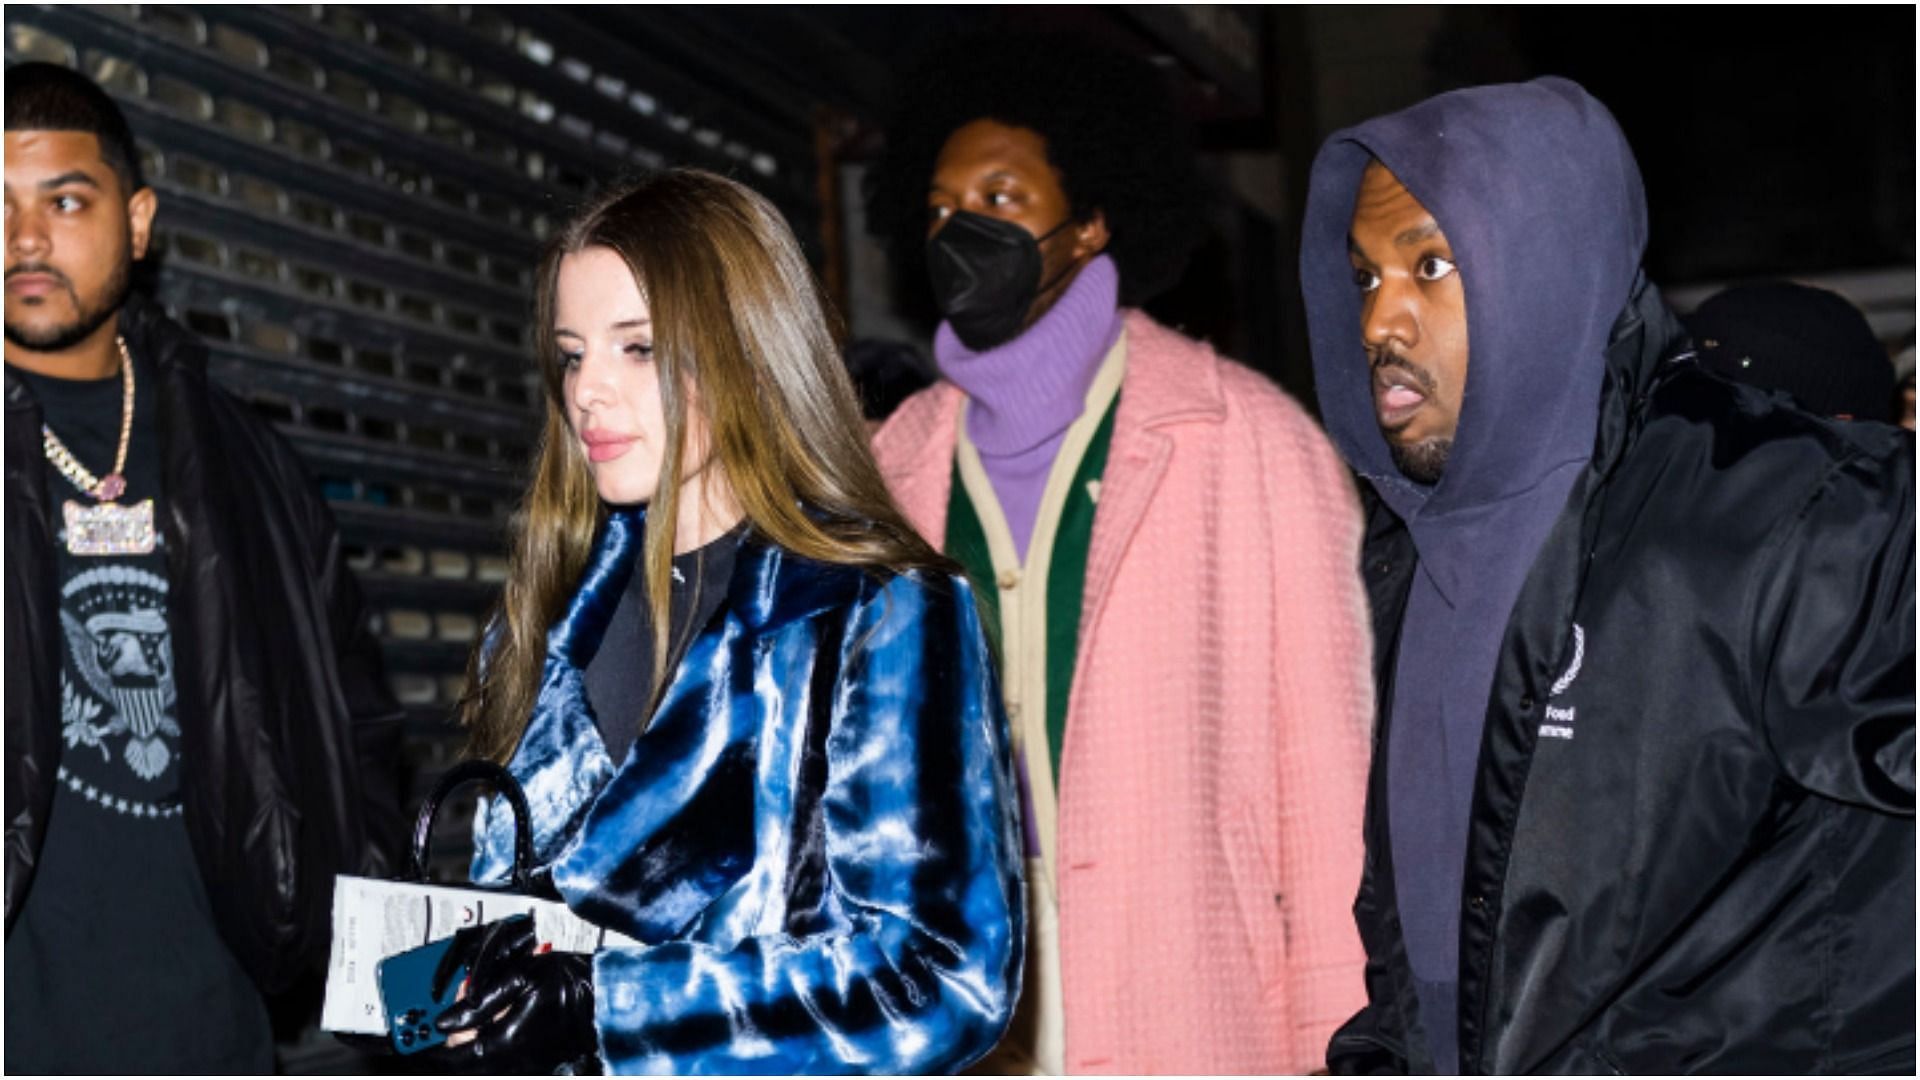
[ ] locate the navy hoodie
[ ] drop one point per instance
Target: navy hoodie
(1539, 197)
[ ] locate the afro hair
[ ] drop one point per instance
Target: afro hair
(1111, 130)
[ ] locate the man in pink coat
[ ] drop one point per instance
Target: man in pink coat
(1168, 546)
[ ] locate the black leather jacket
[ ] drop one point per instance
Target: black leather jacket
(1708, 864)
(290, 741)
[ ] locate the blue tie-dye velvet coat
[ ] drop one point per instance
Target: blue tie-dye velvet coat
(815, 838)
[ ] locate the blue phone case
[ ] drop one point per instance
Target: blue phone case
(406, 992)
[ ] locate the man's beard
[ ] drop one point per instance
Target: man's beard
(86, 319)
(1424, 461)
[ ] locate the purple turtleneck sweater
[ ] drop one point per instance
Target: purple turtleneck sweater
(1025, 394)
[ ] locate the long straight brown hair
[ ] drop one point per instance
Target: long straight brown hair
(738, 318)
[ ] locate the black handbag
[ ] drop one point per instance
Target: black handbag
(522, 881)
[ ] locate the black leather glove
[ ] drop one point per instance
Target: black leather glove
(478, 946)
(510, 935)
(530, 1011)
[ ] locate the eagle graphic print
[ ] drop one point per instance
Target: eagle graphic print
(120, 736)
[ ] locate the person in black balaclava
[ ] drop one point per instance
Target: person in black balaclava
(1808, 342)
(1642, 799)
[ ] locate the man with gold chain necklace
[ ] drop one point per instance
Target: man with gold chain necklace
(197, 734)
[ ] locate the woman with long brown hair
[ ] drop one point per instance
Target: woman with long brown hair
(753, 712)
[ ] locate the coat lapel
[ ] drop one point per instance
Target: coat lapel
(561, 761)
(1166, 383)
(647, 845)
(678, 809)
(915, 450)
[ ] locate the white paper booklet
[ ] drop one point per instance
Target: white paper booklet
(375, 919)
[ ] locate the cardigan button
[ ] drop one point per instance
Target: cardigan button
(1009, 578)
(1382, 567)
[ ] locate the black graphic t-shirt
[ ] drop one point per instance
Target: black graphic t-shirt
(114, 964)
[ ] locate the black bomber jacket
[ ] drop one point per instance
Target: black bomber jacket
(289, 738)
(1691, 846)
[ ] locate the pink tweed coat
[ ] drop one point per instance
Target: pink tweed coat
(1213, 773)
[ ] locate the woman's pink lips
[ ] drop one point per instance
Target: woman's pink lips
(607, 447)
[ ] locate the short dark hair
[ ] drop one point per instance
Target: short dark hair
(1111, 129)
(49, 97)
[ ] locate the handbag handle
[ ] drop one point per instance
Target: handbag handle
(481, 771)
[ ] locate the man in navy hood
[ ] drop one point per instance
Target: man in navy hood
(1644, 640)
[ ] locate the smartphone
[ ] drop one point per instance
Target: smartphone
(406, 992)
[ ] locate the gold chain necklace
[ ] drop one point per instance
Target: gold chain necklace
(114, 484)
(106, 528)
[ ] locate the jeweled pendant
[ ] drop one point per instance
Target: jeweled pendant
(111, 487)
(109, 528)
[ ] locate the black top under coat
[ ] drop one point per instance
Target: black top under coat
(620, 676)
